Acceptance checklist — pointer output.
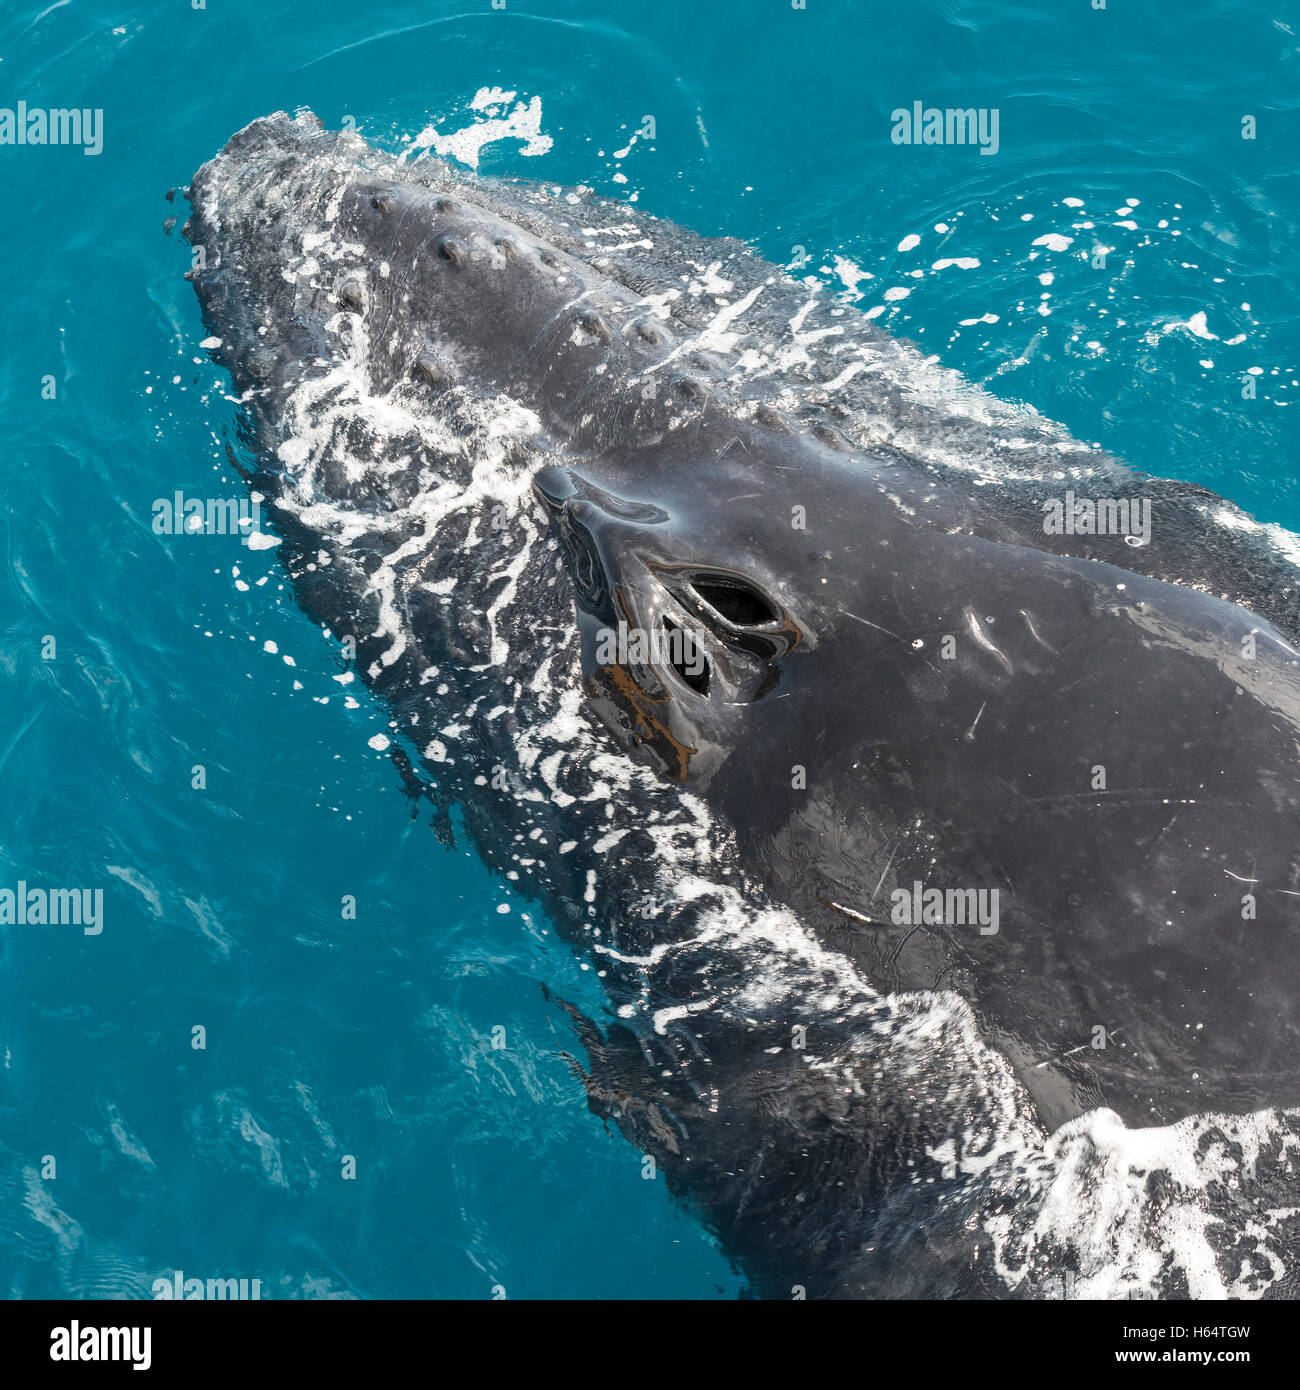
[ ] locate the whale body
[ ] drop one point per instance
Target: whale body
(927, 851)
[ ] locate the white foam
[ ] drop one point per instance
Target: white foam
(523, 123)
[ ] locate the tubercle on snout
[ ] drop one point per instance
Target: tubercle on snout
(465, 237)
(658, 400)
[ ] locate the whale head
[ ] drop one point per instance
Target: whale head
(877, 682)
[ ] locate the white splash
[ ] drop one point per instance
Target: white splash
(522, 123)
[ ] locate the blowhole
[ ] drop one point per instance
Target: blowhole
(686, 657)
(736, 601)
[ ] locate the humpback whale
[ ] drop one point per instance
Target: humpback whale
(939, 863)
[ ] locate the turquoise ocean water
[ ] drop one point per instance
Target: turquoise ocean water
(1126, 262)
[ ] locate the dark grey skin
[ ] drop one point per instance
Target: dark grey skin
(1120, 908)
(903, 679)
